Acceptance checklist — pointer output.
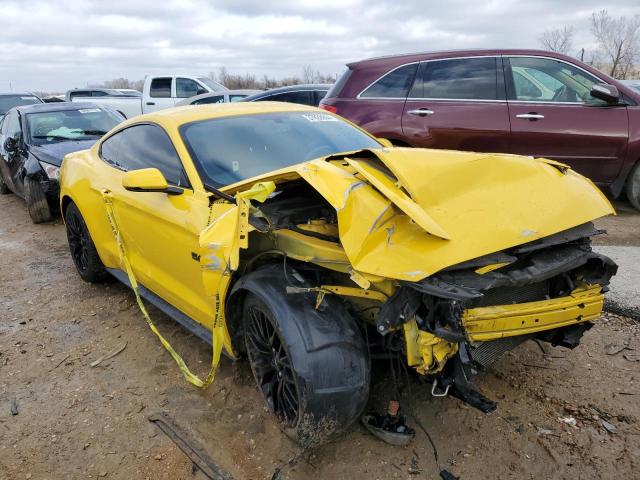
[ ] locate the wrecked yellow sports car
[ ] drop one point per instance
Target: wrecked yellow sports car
(305, 245)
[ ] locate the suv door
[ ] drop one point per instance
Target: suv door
(160, 94)
(459, 104)
(160, 231)
(554, 116)
(11, 163)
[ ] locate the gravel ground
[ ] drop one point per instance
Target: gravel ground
(562, 414)
(622, 244)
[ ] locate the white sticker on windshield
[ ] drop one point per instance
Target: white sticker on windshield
(89, 110)
(28, 98)
(235, 165)
(319, 117)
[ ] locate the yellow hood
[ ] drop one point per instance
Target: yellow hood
(407, 213)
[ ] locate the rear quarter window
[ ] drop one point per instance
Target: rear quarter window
(395, 84)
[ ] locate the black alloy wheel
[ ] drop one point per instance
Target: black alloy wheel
(83, 251)
(271, 364)
(77, 243)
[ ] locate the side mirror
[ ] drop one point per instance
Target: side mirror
(385, 141)
(148, 180)
(606, 92)
(11, 145)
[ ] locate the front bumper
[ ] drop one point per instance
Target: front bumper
(428, 353)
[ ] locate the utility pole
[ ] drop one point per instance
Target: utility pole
(582, 55)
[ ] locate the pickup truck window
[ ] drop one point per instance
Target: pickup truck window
(144, 146)
(160, 87)
(185, 88)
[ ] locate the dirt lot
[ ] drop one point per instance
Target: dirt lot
(60, 418)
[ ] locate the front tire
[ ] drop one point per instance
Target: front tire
(633, 187)
(37, 204)
(4, 189)
(83, 251)
(311, 366)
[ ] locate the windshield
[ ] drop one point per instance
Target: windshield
(82, 124)
(7, 102)
(213, 86)
(231, 149)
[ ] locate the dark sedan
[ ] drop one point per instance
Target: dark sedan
(308, 94)
(33, 141)
(10, 100)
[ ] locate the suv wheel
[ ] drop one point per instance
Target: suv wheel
(633, 187)
(311, 366)
(37, 204)
(83, 250)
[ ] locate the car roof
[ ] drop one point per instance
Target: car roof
(18, 94)
(218, 93)
(55, 107)
(417, 56)
(290, 88)
(192, 113)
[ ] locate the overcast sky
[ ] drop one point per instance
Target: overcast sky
(55, 45)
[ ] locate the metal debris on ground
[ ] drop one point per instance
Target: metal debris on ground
(391, 428)
(190, 447)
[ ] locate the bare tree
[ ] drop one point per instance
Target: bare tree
(619, 41)
(557, 39)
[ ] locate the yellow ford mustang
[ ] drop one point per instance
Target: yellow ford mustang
(315, 245)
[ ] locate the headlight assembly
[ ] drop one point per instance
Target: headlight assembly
(52, 171)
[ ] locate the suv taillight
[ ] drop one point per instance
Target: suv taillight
(329, 108)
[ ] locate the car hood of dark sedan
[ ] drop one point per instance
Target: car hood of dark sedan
(53, 153)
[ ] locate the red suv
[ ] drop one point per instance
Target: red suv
(527, 102)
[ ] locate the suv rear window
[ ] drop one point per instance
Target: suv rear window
(395, 84)
(337, 87)
(457, 79)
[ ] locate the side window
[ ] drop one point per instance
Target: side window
(553, 81)
(79, 93)
(395, 84)
(206, 100)
(304, 97)
(457, 79)
(98, 93)
(144, 146)
(185, 88)
(160, 87)
(11, 125)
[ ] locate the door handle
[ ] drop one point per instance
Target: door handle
(421, 112)
(531, 116)
(151, 103)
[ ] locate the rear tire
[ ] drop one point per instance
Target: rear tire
(83, 251)
(37, 204)
(311, 366)
(633, 187)
(3, 186)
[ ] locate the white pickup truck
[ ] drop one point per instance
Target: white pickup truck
(159, 91)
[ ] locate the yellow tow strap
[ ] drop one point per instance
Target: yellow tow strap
(217, 330)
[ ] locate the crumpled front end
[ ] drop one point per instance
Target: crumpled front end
(461, 256)
(543, 289)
